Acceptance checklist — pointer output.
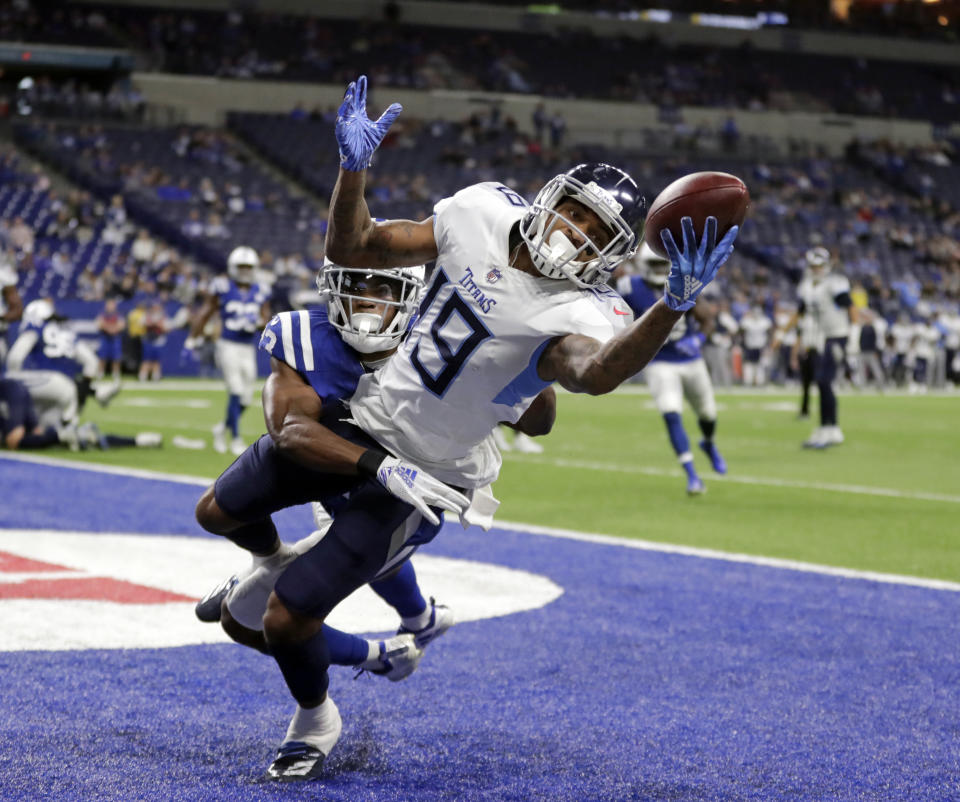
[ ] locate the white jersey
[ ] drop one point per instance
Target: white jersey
(756, 329)
(826, 319)
(471, 359)
(902, 334)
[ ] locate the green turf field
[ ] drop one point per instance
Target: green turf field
(886, 500)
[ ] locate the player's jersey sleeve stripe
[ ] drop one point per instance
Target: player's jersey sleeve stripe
(306, 344)
(286, 338)
(527, 384)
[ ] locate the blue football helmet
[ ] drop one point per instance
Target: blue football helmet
(606, 190)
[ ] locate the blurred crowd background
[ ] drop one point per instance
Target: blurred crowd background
(110, 188)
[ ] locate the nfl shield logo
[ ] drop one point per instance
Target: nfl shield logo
(494, 276)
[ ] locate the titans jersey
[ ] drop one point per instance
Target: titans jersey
(470, 360)
(311, 346)
(683, 342)
(825, 301)
(239, 309)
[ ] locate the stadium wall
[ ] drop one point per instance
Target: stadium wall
(206, 101)
(510, 18)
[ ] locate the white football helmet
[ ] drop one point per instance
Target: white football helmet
(243, 264)
(817, 259)
(399, 287)
(653, 268)
(608, 192)
(37, 312)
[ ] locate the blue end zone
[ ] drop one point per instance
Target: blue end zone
(654, 676)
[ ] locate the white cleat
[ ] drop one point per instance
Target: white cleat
(149, 440)
(526, 444)
(237, 446)
(441, 619)
(220, 438)
(832, 435)
(818, 439)
(105, 393)
(397, 659)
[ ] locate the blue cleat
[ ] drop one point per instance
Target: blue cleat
(208, 608)
(718, 462)
(695, 487)
(441, 619)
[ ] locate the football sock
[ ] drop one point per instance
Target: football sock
(318, 726)
(708, 427)
(281, 555)
(403, 594)
(688, 467)
(346, 649)
(120, 440)
(234, 408)
(259, 537)
(45, 438)
(304, 667)
(828, 405)
(677, 435)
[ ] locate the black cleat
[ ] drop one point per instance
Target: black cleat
(296, 762)
(208, 608)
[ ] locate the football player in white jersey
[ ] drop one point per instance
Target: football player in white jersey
(754, 328)
(825, 304)
(11, 304)
(517, 301)
(244, 309)
(678, 371)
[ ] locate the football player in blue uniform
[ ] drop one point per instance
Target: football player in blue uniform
(317, 358)
(678, 370)
(517, 302)
(44, 344)
(244, 308)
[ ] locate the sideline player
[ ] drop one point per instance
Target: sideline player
(678, 370)
(516, 303)
(316, 360)
(43, 344)
(244, 309)
(111, 325)
(827, 309)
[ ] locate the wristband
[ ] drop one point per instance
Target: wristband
(370, 461)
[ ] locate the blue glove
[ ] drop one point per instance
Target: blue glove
(695, 268)
(357, 135)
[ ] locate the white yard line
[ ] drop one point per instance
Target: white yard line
(569, 534)
(796, 484)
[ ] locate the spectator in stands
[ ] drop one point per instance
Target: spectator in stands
(116, 230)
(21, 236)
(143, 249)
(193, 226)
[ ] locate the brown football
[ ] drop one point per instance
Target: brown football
(698, 195)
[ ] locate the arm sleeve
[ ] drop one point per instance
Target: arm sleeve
(21, 349)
